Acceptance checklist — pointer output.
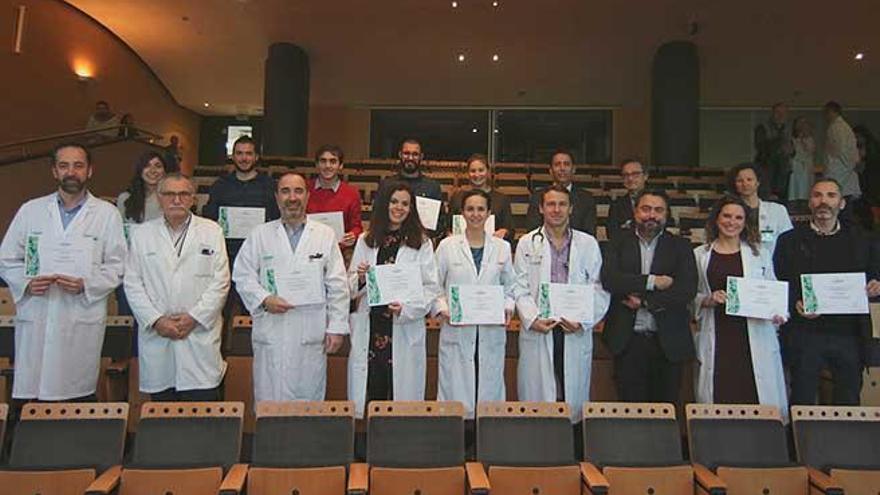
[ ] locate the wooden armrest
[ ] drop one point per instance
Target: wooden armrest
(708, 480)
(823, 482)
(233, 483)
(117, 368)
(478, 481)
(105, 483)
(596, 482)
(358, 478)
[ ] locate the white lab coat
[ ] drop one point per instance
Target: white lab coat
(408, 351)
(457, 379)
(289, 359)
(58, 336)
(159, 283)
(773, 221)
(763, 341)
(536, 380)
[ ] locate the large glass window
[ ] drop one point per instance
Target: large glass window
(444, 134)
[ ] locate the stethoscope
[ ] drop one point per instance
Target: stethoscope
(539, 253)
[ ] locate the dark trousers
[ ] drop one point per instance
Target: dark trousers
(198, 395)
(642, 372)
(559, 361)
(809, 352)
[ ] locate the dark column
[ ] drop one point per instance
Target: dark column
(286, 101)
(675, 120)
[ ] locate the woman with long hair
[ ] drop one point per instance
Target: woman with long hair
(387, 360)
(471, 357)
(140, 201)
(738, 358)
(480, 178)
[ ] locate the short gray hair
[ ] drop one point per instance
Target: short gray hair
(176, 176)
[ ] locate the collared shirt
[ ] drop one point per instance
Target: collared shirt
(178, 235)
(334, 186)
(294, 234)
(818, 232)
(559, 259)
(67, 215)
(644, 319)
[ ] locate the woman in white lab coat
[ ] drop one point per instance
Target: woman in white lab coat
(772, 218)
(471, 357)
(378, 370)
(738, 359)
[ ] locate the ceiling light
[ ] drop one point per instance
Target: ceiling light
(206, 104)
(454, 5)
(495, 58)
(474, 130)
(860, 56)
(461, 57)
(494, 4)
(495, 131)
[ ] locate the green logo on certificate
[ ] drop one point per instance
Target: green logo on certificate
(223, 220)
(544, 300)
(811, 303)
(32, 256)
(271, 284)
(454, 304)
(732, 296)
(373, 294)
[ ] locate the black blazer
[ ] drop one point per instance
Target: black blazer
(622, 275)
(620, 215)
(583, 211)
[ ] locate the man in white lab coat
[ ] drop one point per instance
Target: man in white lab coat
(176, 280)
(555, 354)
(292, 279)
(62, 256)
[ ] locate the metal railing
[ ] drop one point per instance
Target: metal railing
(39, 147)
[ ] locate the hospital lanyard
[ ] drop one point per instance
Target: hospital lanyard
(178, 243)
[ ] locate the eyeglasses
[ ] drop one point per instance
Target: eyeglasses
(410, 154)
(181, 195)
(632, 175)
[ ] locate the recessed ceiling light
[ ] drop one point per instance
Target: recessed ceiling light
(474, 130)
(454, 5)
(860, 56)
(461, 57)
(495, 131)
(206, 104)
(495, 58)
(495, 4)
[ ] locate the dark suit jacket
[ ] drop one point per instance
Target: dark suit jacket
(583, 214)
(622, 275)
(619, 215)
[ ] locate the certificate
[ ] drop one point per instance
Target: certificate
(756, 298)
(459, 224)
(429, 211)
(834, 293)
(394, 283)
(237, 222)
(332, 219)
(71, 257)
(476, 304)
(301, 285)
(574, 302)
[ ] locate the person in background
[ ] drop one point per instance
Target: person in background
(802, 168)
(772, 218)
(842, 159)
(480, 177)
(774, 151)
(620, 215)
(583, 206)
(329, 193)
(869, 173)
(103, 118)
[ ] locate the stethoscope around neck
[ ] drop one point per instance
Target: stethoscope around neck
(539, 253)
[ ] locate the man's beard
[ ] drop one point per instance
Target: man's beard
(410, 166)
(71, 185)
(650, 228)
(241, 169)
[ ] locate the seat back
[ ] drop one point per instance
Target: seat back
(631, 434)
(837, 437)
(304, 434)
(4, 412)
(535, 434)
(415, 434)
(69, 435)
(736, 435)
(7, 337)
(188, 434)
(118, 338)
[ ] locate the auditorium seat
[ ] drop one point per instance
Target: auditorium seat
(417, 447)
(7, 357)
(239, 382)
(305, 448)
(527, 448)
(7, 304)
(116, 356)
(840, 446)
(636, 448)
(186, 448)
(871, 387)
(66, 448)
(4, 420)
(746, 446)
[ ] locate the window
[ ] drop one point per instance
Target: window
(444, 134)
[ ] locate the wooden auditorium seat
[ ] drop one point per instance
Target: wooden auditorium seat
(66, 449)
(840, 446)
(116, 356)
(186, 448)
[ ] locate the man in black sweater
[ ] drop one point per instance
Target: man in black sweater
(812, 342)
(652, 277)
(583, 206)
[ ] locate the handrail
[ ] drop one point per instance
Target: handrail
(83, 132)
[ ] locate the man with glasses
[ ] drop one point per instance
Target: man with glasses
(176, 280)
(62, 256)
(620, 215)
(583, 206)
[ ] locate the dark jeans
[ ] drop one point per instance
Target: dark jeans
(809, 352)
(559, 361)
(642, 372)
(198, 395)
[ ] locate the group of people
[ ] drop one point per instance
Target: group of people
(66, 252)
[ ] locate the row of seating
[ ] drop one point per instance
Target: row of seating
(419, 448)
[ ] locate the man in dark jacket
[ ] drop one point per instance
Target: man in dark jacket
(620, 215)
(652, 277)
(583, 206)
